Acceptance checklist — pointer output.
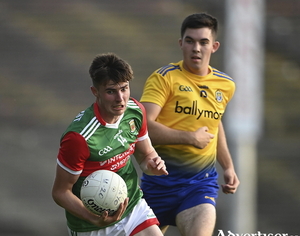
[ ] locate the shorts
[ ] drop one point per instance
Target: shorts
(139, 219)
(167, 202)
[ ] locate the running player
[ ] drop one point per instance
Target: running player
(103, 137)
(185, 102)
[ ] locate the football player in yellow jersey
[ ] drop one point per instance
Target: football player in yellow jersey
(185, 102)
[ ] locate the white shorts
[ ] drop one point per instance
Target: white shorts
(140, 218)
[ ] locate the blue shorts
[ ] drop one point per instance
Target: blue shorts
(167, 202)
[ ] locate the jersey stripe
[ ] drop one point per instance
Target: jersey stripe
(143, 137)
(132, 104)
(221, 74)
(164, 70)
(68, 169)
(92, 120)
(93, 131)
(90, 128)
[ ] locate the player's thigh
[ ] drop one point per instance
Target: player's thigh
(152, 230)
(199, 220)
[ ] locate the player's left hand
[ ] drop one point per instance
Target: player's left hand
(231, 182)
(156, 166)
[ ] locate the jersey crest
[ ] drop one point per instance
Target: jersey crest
(219, 96)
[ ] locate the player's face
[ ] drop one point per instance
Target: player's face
(197, 45)
(112, 100)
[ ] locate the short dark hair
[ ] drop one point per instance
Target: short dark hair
(109, 66)
(200, 20)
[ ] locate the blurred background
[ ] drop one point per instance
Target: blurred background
(46, 48)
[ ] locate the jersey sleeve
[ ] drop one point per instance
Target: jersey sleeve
(156, 90)
(231, 93)
(143, 132)
(73, 153)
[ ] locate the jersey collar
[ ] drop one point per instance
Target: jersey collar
(103, 122)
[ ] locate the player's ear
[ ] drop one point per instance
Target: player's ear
(180, 42)
(94, 91)
(216, 46)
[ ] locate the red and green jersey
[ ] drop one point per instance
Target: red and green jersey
(91, 144)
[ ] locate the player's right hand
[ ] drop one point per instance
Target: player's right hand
(202, 137)
(106, 219)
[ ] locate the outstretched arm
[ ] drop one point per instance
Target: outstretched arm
(163, 135)
(225, 160)
(148, 159)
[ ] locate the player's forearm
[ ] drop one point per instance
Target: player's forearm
(163, 135)
(154, 166)
(148, 159)
(223, 154)
(144, 166)
(144, 160)
(225, 161)
(72, 204)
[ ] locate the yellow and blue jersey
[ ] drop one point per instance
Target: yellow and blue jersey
(188, 102)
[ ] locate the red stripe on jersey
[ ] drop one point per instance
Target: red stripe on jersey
(113, 164)
(144, 225)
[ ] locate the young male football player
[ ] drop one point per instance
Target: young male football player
(185, 102)
(103, 137)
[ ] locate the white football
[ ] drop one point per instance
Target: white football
(103, 190)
